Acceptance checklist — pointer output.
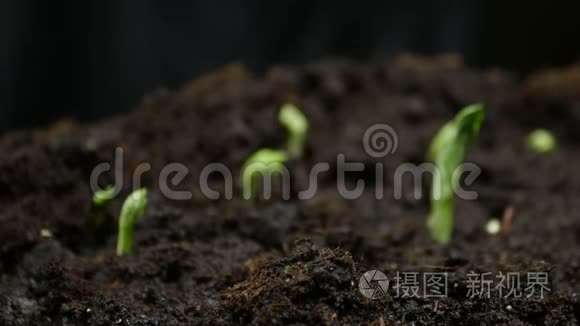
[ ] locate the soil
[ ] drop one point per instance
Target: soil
(273, 262)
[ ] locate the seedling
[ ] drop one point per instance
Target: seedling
(542, 141)
(261, 163)
(297, 125)
(133, 208)
(103, 197)
(97, 213)
(447, 151)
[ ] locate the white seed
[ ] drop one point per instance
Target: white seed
(45, 233)
(493, 226)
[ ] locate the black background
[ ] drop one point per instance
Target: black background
(90, 59)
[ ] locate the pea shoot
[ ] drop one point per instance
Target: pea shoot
(98, 211)
(133, 209)
(263, 162)
(297, 125)
(103, 197)
(447, 151)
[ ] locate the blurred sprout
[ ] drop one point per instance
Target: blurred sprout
(297, 125)
(103, 197)
(263, 162)
(447, 151)
(542, 141)
(133, 209)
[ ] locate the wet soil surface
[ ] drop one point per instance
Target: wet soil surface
(272, 262)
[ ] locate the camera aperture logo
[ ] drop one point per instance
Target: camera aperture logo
(373, 284)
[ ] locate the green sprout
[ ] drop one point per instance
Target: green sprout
(103, 197)
(262, 162)
(542, 141)
(447, 151)
(297, 125)
(133, 208)
(97, 213)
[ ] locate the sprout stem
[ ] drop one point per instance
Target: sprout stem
(447, 151)
(263, 163)
(297, 125)
(133, 208)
